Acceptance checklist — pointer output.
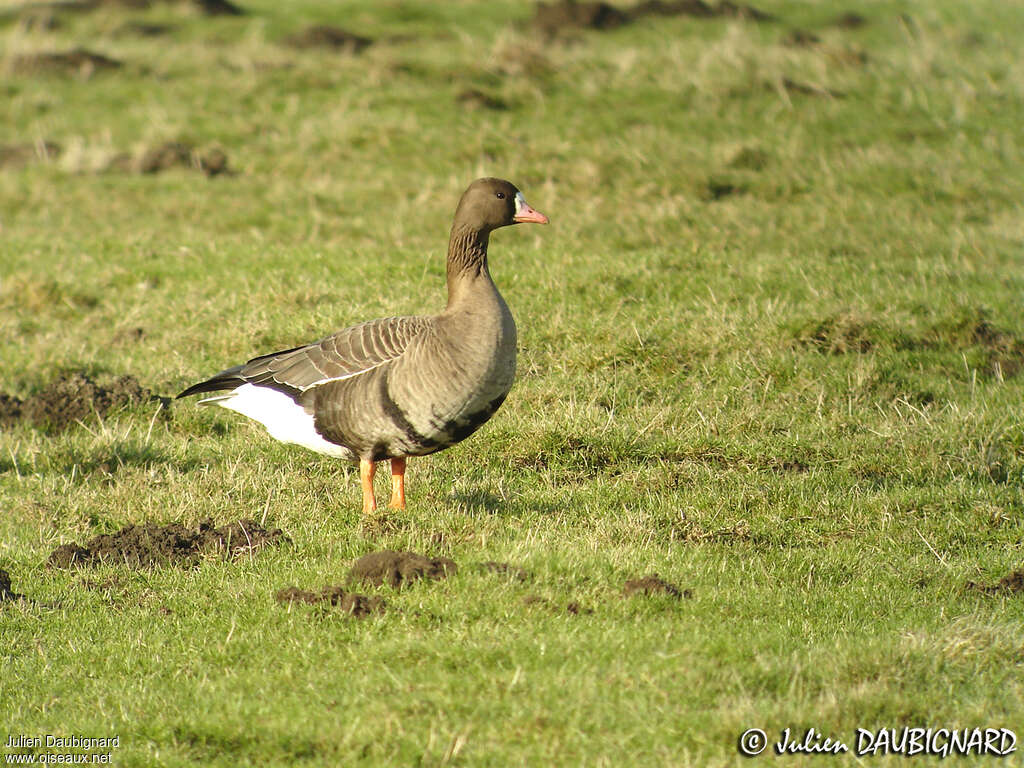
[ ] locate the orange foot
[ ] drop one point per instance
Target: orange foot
(397, 483)
(367, 469)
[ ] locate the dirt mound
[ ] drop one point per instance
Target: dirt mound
(573, 607)
(218, 7)
(37, 21)
(1012, 583)
(504, 569)
(850, 20)
(750, 159)
(800, 38)
(143, 546)
(653, 585)
(71, 398)
(326, 36)
(699, 9)
(10, 409)
(474, 98)
(144, 29)
(18, 155)
(720, 187)
(208, 7)
(172, 154)
(398, 568)
(804, 89)
(349, 602)
(568, 14)
(6, 593)
(78, 62)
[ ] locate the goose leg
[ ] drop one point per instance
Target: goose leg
(398, 483)
(367, 469)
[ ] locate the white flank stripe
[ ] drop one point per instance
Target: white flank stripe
(346, 376)
(284, 419)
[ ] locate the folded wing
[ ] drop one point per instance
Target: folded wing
(343, 355)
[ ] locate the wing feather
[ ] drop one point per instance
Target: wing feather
(345, 354)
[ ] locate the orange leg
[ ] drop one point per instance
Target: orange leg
(367, 469)
(398, 483)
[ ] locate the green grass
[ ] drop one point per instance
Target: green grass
(771, 349)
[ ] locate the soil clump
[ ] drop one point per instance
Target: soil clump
(504, 569)
(573, 607)
(399, 568)
(557, 17)
(71, 398)
(335, 597)
(149, 544)
(653, 585)
(18, 155)
(1012, 583)
(327, 36)
(172, 154)
(78, 62)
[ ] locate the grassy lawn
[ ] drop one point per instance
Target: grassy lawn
(771, 349)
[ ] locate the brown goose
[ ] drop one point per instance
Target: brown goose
(400, 386)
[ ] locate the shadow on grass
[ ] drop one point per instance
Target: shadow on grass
(109, 460)
(480, 500)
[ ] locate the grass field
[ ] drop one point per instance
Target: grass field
(772, 349)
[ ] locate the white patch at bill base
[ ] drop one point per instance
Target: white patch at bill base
(520, 203)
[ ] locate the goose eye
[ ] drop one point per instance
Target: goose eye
(501, 195)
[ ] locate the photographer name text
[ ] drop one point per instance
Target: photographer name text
(996, 742)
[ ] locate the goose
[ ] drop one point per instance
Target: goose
(396, 387)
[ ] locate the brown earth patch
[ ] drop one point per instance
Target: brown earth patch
(1012, 583)
(653, 585)
(207, 7)
(399, 568)
(108, 584)
(147, 545)
(326, 36)
(850, 57)
(18, 155)
(144, 29)
(569, 14)
(699, 9)
(840, 335)
(6, 593)
(474, 98)
(573, 607)
(78, 62)
(994, 351)
(800, 38)
(805, 89)
(553, 18)
(336, 597)
(849, 20)
(71, 398)
(1003, 351)
(718, 188)
(218, 7)
(750, 159)
(172, 154)
(504, 569)
(38, 21)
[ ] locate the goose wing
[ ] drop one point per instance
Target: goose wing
(342, 355)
